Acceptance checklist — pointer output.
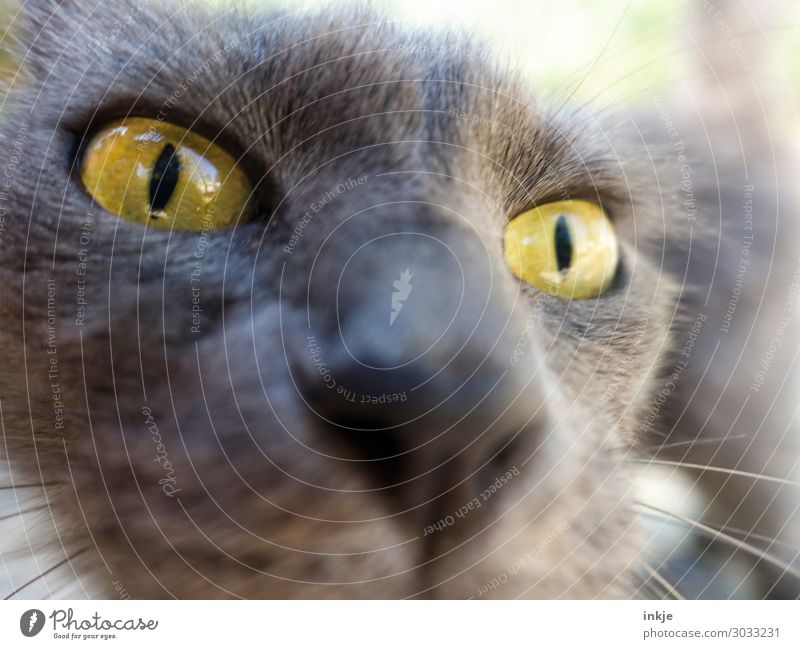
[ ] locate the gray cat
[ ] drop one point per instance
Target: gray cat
(349, 390)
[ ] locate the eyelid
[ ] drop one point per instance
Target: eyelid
(608, 204)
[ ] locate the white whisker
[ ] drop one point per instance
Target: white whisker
(22, 512)
(737, 543)
(695, 442)
(719, 469)
(663, 582)
(45, 573)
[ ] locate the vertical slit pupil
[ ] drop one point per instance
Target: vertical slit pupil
(164, 179)
(563, 241)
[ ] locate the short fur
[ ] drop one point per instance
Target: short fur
(282, 487)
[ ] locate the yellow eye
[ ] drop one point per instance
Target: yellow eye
(566, 248)
(163, 175)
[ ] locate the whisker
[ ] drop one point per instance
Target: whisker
(719, 469)
(39, 440)
(669, 588)
(646, 590)
(45, 573)
(693, 442)
(22, 512)
(736, 530)
(36, 485)
(718, 535)
(762, 537)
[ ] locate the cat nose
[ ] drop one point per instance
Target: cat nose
(410, 353)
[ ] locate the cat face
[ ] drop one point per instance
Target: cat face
(349, 394)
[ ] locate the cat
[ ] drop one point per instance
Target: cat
(349, 394)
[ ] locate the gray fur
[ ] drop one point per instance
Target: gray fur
(281, 487)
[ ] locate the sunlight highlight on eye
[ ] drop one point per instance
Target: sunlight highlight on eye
(165, 176)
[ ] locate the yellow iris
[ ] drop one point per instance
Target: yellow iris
(565, 248)
(164, 175)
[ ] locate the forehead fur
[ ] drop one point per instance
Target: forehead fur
(284, 85)
(308, 101)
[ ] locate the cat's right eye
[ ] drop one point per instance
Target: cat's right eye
(565, 248)
(164, 175)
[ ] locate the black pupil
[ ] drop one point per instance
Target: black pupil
(563, 241)
(166, 172)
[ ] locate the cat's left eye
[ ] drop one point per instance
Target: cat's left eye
(166, 176)
(565, 248)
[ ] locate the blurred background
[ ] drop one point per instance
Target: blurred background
(623, 47)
